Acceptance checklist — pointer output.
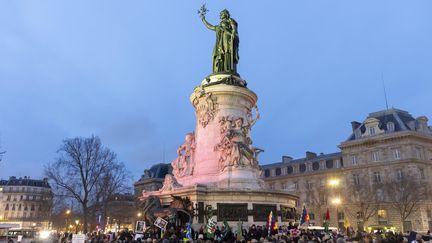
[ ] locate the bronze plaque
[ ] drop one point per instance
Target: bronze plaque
(232, 212)
(287, 213)
(262, 211)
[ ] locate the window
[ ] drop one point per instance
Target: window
(372, 131)
(354, 160)
(13, 207)
(429, 213)
(296, 185)
(356, 179)
(377, 177)
(7, 207)
(382, 217)
(309, 185)
(312, 216)
(290, 169)
(341, 216)
(266, 173)
(390, 126)
(329, 164)
(421, 172)
(419, 154)
(278, 171)
(8, 198)
(33, 207)
(315, 165)
(396, 154)
(399, 174)
(321, 182)
(19, 207)
(375, 156)
(302, 167)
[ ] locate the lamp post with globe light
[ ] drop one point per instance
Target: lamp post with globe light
(336, 201)
(67, 214)
(76, 226)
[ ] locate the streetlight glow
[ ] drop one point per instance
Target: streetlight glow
(139, 214)
(333, 182)
(68, 211)
(336, 201)
(77, 221)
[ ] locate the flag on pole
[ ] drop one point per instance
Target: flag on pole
(305, 216)
(240, 231)
(270, 223)
(326, 222)
(211, 228)
(189, 231)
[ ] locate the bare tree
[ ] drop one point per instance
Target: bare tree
(81, 164)
(405, 195)
(363, 203)
(317, 199)
(115, 181)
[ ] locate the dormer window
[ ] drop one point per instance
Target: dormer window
(372, 127)
(390, 127)
(357, 133)
(371, 131)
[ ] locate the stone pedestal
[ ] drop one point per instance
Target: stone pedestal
(219, 107)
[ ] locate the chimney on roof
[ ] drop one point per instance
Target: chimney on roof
(310, 155)
(355, 125)
(286, 159)
(422, 124)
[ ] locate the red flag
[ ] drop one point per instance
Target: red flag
(327, 215)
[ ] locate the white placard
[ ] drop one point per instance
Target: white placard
(138, 236)
(78, 238)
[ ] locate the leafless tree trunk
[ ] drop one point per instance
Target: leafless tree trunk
(317, 199)
(405, 195)
(363, 202)
(115, 181)
(81, 164)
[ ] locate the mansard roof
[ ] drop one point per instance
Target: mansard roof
(13, 181)
(402, 121)
(319, 157)
(157, 171)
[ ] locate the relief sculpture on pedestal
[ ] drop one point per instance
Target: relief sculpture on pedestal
(183, 165)
(235, 148)
(205, 105)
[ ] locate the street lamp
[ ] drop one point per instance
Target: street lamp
(333, 182)
(76, 226)
(68, 212)
(139, 215)
(337, 201)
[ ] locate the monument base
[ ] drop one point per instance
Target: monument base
(233, 205)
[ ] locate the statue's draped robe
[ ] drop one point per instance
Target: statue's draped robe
(225, 52)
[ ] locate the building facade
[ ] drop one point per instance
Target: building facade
(26, 202)
(380, 178)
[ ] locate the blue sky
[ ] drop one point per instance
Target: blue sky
(123, 70)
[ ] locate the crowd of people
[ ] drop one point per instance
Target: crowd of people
(253, 234)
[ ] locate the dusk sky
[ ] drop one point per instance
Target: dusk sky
(124, 70)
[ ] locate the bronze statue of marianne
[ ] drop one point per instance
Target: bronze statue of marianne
(225, 52)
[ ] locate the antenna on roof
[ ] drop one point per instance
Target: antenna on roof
(384, 88)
